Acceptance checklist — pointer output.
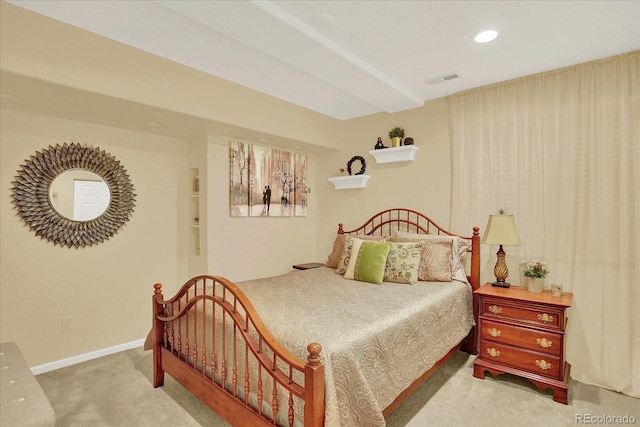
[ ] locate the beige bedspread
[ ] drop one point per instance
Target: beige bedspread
(376, 339)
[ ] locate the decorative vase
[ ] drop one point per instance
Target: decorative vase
(395, 141)
(535, 284)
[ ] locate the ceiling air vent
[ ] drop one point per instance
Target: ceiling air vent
(442, 79)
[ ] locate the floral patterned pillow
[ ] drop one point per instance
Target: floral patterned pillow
(403, 262)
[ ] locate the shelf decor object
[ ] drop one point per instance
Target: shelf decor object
(351, 181)
(396, 134)
(32, 199)
(404, 153)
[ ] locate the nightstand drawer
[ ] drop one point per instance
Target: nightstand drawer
(543, 364)
(543, 316)
(531, 339)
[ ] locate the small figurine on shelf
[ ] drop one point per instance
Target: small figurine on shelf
(379, 144)
(341, 172)
(196, 185)
(407, 141)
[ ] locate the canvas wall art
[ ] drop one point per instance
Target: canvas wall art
(266, 181)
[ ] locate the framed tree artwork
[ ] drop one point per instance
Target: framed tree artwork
(239, 186)
(266, 181)
(300, 187)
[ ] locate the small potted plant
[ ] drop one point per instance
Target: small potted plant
(396, 134)
(535, 271)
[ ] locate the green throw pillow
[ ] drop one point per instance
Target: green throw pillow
(371, 261)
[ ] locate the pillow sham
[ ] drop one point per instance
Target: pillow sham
(368, 261)
(354, 244)
(435, 260)
(338, 246)
(344, 243)
(403, 262)
(458, 250)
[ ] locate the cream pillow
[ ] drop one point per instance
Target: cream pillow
(345, 255)
(336, 252)
(353, 257)
(403, 262)
(459, 248)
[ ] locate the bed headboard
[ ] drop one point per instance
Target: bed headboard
(384, 223)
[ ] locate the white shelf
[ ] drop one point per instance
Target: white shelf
(351, 181)
(404, 153)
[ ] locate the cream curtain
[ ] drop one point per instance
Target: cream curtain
(561, 152)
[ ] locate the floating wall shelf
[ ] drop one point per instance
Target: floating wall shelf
(351, 181)
(404, 153)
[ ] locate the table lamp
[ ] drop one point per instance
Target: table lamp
(501, 230)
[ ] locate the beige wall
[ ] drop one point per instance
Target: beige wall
(241, 248)
(423, 184)
(106, 288)
(41, 283)
(42, 48)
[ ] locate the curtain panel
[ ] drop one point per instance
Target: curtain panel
(561, 152)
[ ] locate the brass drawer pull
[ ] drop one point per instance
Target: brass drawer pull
(495, 309)
(493, 352)
(494, 332)
(543, 364)
(543, 342)
(545, 318)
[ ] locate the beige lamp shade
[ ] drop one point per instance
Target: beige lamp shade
(501, 230)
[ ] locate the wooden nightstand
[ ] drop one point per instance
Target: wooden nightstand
(523, 333)
(308, 265)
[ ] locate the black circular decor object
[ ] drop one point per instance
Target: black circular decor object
(362, 162)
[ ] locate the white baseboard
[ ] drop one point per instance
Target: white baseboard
(41, 369)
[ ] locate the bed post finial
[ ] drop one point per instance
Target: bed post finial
(475, 258)
(314, 350)
(314, 387)
(340, 229)
(157, 289)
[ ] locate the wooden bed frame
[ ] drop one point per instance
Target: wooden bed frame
(228, 392)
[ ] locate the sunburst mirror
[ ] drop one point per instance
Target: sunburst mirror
(91, 181)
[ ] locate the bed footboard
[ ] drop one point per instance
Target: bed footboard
(209, 338)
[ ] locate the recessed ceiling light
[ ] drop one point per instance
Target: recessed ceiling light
(155, 124)
(486, 36)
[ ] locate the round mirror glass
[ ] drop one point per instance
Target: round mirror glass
(79, 195)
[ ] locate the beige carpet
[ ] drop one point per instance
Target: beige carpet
(117, 391)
